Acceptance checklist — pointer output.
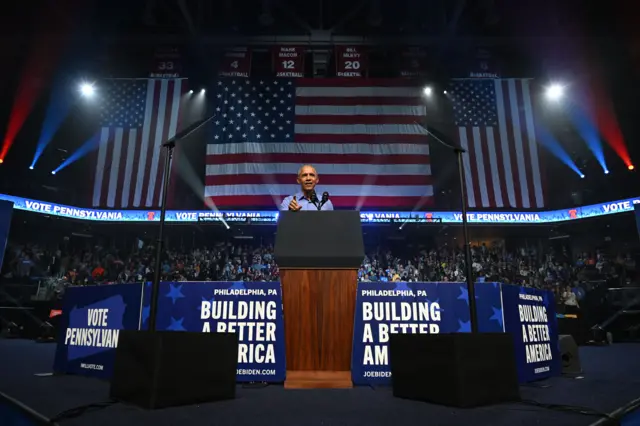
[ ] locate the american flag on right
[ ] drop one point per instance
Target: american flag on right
(495, 125)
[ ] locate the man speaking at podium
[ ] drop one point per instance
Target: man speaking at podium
(307, 199)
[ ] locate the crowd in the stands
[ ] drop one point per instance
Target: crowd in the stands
(229, 261)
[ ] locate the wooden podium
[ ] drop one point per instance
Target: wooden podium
(319, 254)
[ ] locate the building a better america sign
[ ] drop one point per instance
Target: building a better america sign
(253, 310)
(385, 308)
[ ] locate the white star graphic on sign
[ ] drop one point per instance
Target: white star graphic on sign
(266, 113)
(231, 121)
(273, 121)
(244, 135)
(224, 129)
(232, 108)
(259, 121)
(281, 115)
(226, 101)
(268, 101)
(287, 135)
(233, 95)
(217, 122)
(258, 136)
(219, 95)
(251, 128)
(246, 108)
(226, 89)
(219, 83)
(272, 135)
(237, 127)
(230, 135)
(218, 109)
(253, 114)
(244, 121)
(216, 137)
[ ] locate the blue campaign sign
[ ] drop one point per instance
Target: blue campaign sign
(384, 308)
(6, 211)
(530, 317)
(251, 309)
(92, 318)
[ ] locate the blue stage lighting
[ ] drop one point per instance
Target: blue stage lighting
(60, 103)
(30, 167)
(589, 133)
(88, 146)
(581, 176)
(547, 140)
(606, 172)
(53, 172)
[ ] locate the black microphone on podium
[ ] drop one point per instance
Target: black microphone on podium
(313, 197)
(325, 198)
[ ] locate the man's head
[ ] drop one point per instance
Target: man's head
(307, 178)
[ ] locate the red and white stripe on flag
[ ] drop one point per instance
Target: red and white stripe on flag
(496, 126)
(361, 135)
(139, 115)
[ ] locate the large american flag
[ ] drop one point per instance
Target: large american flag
(138, 115)
(495, 124)
(359, 134)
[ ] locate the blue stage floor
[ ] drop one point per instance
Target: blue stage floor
(611, 380)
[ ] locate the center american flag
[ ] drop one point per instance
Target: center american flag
(361, 135)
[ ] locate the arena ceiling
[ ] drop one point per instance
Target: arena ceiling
(372, 22)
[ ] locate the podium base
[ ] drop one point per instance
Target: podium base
(318, 380)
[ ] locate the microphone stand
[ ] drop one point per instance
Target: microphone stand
(473, 311)
(169, 145)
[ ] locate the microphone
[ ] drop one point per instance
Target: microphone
(325, 198)
(313, 197)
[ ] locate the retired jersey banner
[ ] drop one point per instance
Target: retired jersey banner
(483, 64)
(530, 317)
(413, 62)
(384, 308)
(167, 63)
(251, 309)
(236, 63)
(351, 61)
(288, 61)
(90, 324)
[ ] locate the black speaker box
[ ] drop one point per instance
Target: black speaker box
(167, 368)
(569, 355)
(458, 369)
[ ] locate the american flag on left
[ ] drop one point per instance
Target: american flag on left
(138, 115)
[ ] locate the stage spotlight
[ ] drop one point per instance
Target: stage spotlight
(87, 90)
(190, 92)
(606, 172)
(630, 166)
(427, 91)
(555, 92)
(53, 172)
(445, 92)
(30, 167)
(1, 160)
(202, 91)
(581, 176)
